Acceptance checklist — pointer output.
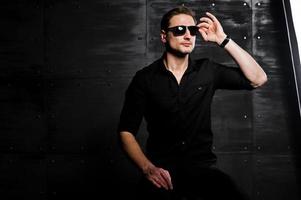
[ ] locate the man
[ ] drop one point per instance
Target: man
(174, 95)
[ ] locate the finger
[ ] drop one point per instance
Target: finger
(206, 19)
(162, 181)
(169, 179)
(203, 33)
(203, 24)
(156, 183)
(166, 178)
(213, 18)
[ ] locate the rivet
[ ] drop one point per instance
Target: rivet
(259, 116)
(258, 37)
(245, 148)
(213, 147)
(258, 148)
(258, 4)
(245, 37)
(245, 116)
(245, 3)
(200, 88)
(213, 4)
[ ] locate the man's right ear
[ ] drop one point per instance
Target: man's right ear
(163, 36)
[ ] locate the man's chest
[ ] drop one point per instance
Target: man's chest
(166, 93)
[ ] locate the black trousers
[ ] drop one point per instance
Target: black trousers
(193, 183)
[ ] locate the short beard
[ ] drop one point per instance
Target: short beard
(175, 52)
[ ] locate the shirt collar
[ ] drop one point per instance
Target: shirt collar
(191, 64)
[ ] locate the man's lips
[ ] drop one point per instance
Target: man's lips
(186, 44)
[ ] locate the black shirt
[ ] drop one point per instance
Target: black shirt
(178, 115)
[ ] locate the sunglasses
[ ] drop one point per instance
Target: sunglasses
(181, 30)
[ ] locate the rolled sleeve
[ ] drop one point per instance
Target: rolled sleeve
(134, 105)
(230, 78)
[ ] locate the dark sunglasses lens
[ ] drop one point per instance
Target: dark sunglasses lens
(193, 30)
(179, 30)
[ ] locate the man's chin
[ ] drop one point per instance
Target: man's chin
(185, 51)
(179, 52)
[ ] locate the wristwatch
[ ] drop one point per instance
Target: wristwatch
(226, 40)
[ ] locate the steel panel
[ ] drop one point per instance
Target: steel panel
(275, 177)
(271, 103)
(82, 37)
(232, 121)
(22, 175)
(21, 49)
(239, 167)
(83, 113)
(23, 123)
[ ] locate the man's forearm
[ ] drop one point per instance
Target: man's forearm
(134, 151)
(251, 69)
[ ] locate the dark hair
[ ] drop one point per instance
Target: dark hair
(175, 11)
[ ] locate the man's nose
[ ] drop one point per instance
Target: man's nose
(187, 34)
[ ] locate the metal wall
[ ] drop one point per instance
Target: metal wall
(64, 68)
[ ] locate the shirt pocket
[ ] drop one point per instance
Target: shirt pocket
(197, 92)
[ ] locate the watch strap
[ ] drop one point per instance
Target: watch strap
(226, 40)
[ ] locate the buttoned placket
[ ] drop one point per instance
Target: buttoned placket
(179, 86)
(179, 96)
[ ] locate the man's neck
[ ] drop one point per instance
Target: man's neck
(174, 63)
